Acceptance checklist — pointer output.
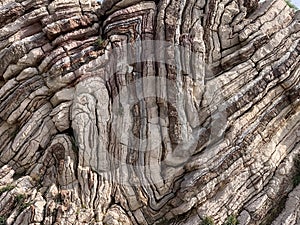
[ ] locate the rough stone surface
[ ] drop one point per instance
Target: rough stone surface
(291, 212)
(149, 112)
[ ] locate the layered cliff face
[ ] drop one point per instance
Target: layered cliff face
(149, 112)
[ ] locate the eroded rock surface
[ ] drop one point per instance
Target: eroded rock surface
(291, 213)
(148, 112)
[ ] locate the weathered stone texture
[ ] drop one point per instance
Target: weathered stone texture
(149, 112)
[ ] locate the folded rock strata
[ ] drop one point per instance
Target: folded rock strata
(149, 112)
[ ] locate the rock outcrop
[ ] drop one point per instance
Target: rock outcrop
(149, 112)
(291, 213)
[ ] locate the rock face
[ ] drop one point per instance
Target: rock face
(291, 213)
(149, 112)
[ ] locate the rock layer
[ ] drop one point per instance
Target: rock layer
(148, 112)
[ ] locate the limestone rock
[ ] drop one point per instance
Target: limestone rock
(291, 212)
(149, 112)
